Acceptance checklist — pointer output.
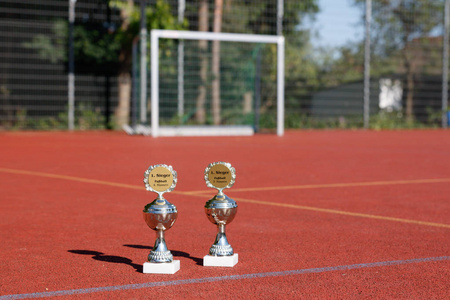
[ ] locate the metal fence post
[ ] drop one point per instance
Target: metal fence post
(280, 69)
(445, 65)
(280, 14)
(367, 63)
(71, 77)
(134, 82)
(181, 9)
(143, 40)
(280, 85)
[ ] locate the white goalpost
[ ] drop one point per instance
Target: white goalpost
(156, 35)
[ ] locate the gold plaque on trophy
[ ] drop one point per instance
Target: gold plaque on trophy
(220, 175)
(160, 179)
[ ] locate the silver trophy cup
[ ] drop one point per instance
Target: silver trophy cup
(221, 209)
(160, 215)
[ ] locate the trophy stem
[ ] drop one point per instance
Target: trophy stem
(160, 252)
(221, 228)
(221, 247)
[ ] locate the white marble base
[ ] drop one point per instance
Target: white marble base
(220, 261)
(162, 268)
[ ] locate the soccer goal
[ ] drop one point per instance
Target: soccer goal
(179, 107)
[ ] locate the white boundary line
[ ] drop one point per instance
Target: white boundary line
(156, 34)
(147, 285)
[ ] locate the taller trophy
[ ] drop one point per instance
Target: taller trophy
(160, 215)
(220, 210)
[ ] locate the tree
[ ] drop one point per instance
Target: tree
(158, 16)
(399, 29)
(126, 34)
(301, 72)
(257, 17)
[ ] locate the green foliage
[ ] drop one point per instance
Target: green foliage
(434, 117)
(301, 70)
(303, 121)
(42, 123)
(381, 121)
(86, 117)
(401, 31)
(340, 65)
(158, 16)
(234, 116)
(393, 120)
(397, 23)
(252, 16)
(96, 44)
(92, 44)
(51, 47)
(268, 120)
(99, 49)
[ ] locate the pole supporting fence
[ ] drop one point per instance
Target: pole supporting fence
(445, 65)
(71, 76)
(366, 105)
(143, 61)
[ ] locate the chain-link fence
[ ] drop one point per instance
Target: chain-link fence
(327, 70)
(34, 66)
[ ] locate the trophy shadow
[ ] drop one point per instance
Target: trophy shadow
(109, 258)
(175, 253)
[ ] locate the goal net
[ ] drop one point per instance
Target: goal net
(205, 83)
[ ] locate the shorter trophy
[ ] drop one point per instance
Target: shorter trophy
(220, 210)
(160, 215)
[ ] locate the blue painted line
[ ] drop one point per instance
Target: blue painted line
(222, 278)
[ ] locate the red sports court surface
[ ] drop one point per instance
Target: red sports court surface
(322, 214)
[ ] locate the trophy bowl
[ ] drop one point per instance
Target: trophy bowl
(160, 216)
(221, 209)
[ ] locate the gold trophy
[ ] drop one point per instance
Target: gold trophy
(160, 215)
(220, 210)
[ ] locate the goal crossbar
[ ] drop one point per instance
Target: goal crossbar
(156, 34)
